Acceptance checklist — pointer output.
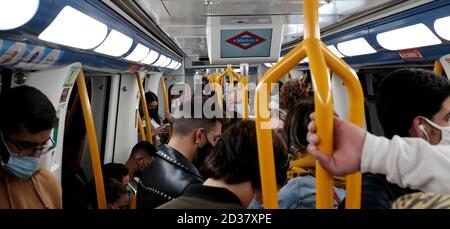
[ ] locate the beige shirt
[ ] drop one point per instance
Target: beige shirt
(40, 191)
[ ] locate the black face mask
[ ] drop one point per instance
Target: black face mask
(137, 174)
(153, 112)
(202, 153)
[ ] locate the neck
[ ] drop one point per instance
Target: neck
(244, 191)
(183, 145)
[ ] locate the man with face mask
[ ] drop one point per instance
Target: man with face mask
(26, 121)
(173, 169)
(410, 103)
(142, 155)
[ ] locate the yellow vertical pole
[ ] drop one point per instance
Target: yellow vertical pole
(166, 101)
(356, 116)
(263, 131)
(166, 98)
(244, 83)
(230, 76)
(141, 128)
(92, 140)
(145, 109)
(322, 100)
(438, 67)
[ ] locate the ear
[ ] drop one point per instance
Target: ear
(418, 127)
(198, 135)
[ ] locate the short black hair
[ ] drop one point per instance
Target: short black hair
(407, 93)
(114, 189)
(145, 148)
(235, 159)
(296, 125)
(186, 120)
(115, 171)
(26, 107)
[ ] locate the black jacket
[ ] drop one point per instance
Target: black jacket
(166, 178)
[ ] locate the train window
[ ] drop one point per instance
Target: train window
(151, 58)
(395, 39)
(355, 47)
(441, 26)
(76, 29)
(138, 54)
(116, 44)
(16, 13)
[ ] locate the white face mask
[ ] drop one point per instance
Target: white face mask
(445, 132)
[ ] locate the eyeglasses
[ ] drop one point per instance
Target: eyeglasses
(30, 148)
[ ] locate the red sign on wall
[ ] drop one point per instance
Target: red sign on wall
(246, 40)
(410, 54)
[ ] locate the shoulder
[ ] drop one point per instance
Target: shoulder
(47, 179)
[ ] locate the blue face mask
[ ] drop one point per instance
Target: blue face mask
(21, 167)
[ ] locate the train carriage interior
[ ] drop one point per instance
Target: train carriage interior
(97, 61)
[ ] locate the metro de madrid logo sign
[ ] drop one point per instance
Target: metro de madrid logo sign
(245, 40)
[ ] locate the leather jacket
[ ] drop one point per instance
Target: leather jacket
(166, 178)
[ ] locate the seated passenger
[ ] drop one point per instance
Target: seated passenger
(300, 191)
(232, 172)
(410, 103)
(116, 194)
(26, 121)
(116, 171)
(173, 168)
(142, 155)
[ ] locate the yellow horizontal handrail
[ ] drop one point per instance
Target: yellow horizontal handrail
(319, 58)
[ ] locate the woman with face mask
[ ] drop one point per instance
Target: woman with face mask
(26, 121)
(159, 126)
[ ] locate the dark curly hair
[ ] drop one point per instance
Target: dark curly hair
(296, 126)
(235, 159)
(407, 93)
(292, 91)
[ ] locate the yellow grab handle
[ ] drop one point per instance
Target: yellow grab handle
(356, 116)
(92, 140)
(264, 135)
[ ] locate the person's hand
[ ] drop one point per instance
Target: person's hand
(348, 144)
(162, 129)
(168, 116)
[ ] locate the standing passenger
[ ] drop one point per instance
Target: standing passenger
(26, 121)
(173, 168)
(232, 172)
(410, 103)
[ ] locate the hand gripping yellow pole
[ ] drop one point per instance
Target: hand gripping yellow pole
(92, 139)
(144, 108)
(356, 116)
(319, 57)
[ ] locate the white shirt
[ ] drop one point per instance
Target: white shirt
(408, 162)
